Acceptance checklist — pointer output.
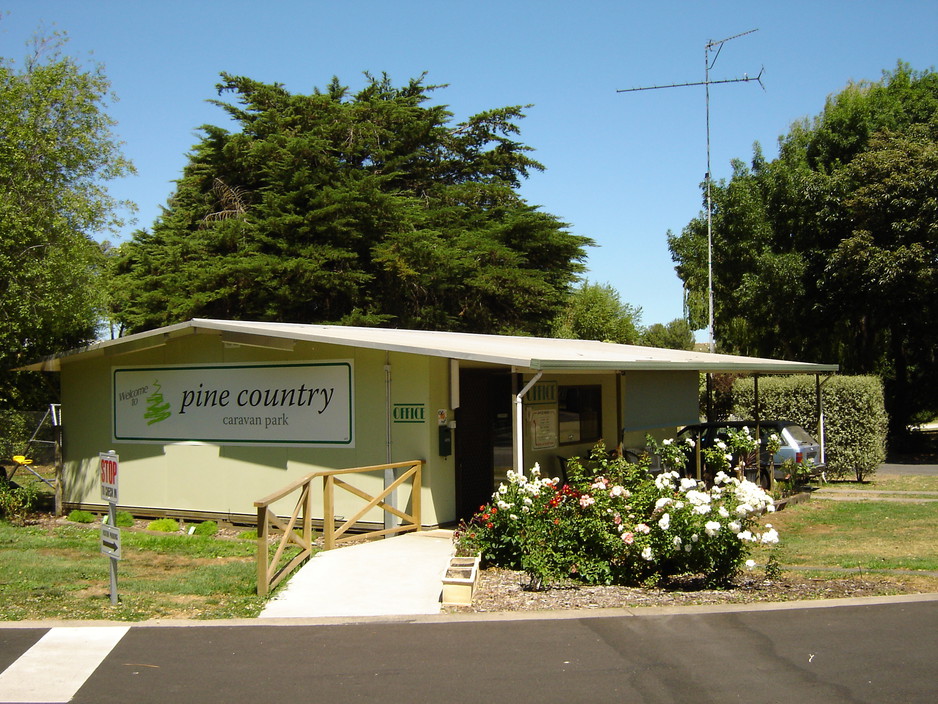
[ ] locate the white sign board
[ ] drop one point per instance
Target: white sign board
(262, 404)
(108, 462)
(111, 541)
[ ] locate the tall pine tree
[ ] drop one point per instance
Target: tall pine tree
(370, 208)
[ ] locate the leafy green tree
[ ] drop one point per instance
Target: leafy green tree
(596, 312)
(828, 251)
(676, 335)
(57, 152)
(369, 208)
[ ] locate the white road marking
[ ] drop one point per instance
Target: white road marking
(54, 669)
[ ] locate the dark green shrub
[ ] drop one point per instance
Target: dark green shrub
(855, 421)
(124, 519)
(17, 501)
(14, 432)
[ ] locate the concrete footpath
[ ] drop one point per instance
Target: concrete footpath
(385, 577)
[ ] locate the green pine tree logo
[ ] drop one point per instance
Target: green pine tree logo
(157, 408)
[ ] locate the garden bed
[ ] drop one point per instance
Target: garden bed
(501, 590)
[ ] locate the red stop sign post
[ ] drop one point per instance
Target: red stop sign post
(110, 533)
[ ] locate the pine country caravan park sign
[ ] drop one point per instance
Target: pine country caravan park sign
(261, 404)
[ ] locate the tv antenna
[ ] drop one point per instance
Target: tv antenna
(711, 47)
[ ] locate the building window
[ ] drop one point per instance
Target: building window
(579, 413)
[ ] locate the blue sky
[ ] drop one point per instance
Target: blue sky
(622, 168)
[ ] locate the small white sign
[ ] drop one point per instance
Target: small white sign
(111, 541)
(109, 464)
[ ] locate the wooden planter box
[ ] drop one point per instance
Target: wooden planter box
(459, 580)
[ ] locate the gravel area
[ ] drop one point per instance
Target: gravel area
(502, 590)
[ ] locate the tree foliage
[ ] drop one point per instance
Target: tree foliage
(596, 312)
(676, 335)
(57, 151)
(829, 251)
(370, 208)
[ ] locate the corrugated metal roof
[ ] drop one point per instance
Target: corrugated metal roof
(536, 353)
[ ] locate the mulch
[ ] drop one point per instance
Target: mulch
(501, 590)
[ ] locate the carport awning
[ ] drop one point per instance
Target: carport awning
(533, 353)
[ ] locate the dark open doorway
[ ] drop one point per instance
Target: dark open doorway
(483, 436)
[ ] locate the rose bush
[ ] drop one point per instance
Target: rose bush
(615, 523)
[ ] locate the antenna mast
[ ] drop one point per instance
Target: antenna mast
(710, 47)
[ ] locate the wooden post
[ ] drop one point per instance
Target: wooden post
(308, 513)
(697, 458)
(328, 512)
(417, 485)
(59, 467)
(709, 378)
(263, 581)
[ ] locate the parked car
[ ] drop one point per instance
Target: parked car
(797, 444)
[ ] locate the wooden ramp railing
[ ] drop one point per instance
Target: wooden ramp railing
(269, 571)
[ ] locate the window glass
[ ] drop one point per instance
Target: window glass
(579, 413)
(799, 434)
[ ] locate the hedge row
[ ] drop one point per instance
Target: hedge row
(855, 420)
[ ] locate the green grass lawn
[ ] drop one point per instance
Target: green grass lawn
(890, 482)
(60, 573)
(863, 534)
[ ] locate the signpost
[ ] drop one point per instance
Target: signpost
(110, 533)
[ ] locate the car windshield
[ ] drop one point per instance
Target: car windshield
(799, 435)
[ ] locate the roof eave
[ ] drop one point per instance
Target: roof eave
(758, 366)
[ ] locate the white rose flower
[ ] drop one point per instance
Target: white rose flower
(770, 537)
